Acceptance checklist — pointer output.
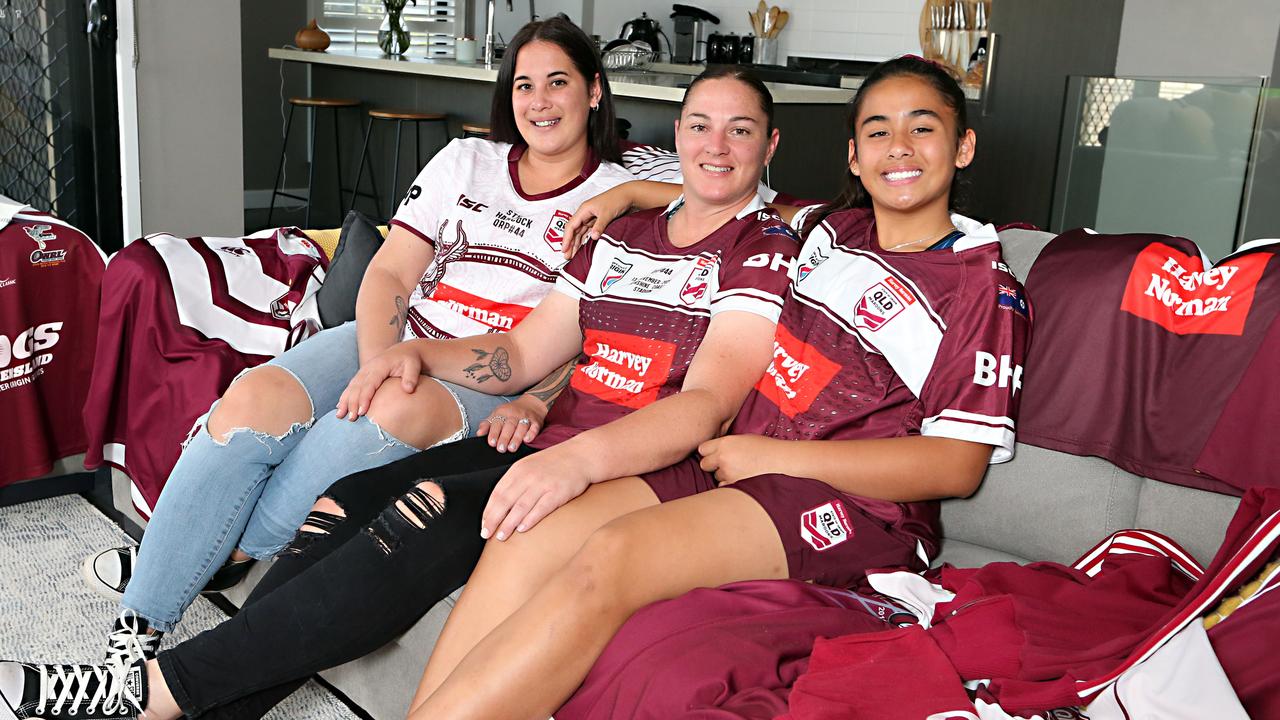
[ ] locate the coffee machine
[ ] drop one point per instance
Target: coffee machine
(692, 26)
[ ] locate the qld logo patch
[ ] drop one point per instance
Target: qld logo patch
(696, 287)
(825, 526)
(882, 303)
(556, 229)
(617, 269)
(810, 264)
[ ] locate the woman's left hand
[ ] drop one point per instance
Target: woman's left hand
(513, 423)
(531, 490)
(734, 457)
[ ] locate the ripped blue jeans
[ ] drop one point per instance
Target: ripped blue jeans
(254, 490)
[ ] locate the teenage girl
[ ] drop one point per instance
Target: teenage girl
(894, 381)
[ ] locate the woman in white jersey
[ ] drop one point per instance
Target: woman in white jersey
(472, 249)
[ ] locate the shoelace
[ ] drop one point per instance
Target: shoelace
(70, 686)
(130, 641)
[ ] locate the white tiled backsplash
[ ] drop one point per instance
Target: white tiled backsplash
(848, 29)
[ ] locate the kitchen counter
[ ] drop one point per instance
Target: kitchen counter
(662, 81)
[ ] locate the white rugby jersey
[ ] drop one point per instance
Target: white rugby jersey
(497, 248)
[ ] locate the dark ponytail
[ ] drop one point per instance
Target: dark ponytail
(853, 194)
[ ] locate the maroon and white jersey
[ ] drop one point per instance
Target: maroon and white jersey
(50, 275)
(181, 317)
(497, 247)
(875, 344)
(1175, 355)
(644, 306)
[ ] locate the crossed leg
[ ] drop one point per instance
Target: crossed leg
(531, 662)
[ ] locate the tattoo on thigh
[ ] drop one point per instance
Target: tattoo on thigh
(490, 365)
(402, 314)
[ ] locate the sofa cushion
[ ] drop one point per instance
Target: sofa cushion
(1196, 519)
(1044, 505)
(359, 240)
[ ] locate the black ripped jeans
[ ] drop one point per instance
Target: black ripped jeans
(339, 594)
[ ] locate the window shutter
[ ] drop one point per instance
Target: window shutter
(432, 24)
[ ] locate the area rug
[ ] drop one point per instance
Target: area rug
(48, 615)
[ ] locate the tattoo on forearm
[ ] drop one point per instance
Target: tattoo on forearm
(551, 386)
(496, 364)
(402, 314)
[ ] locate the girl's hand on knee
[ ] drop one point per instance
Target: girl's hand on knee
(533, 488)
(399, 360)
(734, 457)
(513, 423)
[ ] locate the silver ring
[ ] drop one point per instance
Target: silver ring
(523, 421)
(498, 418)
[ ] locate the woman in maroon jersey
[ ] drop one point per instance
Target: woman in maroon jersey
(892, 385)
(673, 312)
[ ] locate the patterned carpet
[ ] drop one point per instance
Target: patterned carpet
(47, 614)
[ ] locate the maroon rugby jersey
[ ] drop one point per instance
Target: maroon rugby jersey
(50, 275)
(1168, 361)
(645, 305)
(875, 344)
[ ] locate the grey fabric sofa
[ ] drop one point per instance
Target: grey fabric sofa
(1042, 505)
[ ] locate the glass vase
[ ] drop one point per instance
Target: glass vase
(393, 37)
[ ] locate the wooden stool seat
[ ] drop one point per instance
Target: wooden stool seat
(475, 130)
(385, 114)
(323, 102)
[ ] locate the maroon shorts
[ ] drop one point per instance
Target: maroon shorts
(826, 535)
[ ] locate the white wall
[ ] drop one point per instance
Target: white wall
(847, 29)
(190, 137)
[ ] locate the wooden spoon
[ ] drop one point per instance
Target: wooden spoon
(783, 17)
(773, 21)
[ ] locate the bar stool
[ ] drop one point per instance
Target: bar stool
(312, 105)
(400, 117)
(470, 130)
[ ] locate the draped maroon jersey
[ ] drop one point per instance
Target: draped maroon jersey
(1174, 357)
(645, 305)
(875, 344)
(50, 275)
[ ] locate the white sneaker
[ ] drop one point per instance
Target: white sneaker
(108, 572)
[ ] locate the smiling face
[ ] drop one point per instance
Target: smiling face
(724, 141)
(905, 148)
(551, 99)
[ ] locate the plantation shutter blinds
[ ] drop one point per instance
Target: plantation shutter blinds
(432, 24)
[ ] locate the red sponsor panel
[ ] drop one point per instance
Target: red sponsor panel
(826, 526)
(624, 369)
(1175, 291)
(500, 316)
(797, 373)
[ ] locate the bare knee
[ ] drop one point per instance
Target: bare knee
(422, 503)
(422, 418)
(597, 575)
(266, 399)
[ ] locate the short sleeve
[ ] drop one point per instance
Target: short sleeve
(571, 279)
(797, 220)
(973, 388)
(755, 274)
(419, 211)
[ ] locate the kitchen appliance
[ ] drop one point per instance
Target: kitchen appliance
(646, 30)
(692, 28)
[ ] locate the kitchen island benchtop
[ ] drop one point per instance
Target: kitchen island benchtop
(661, 83)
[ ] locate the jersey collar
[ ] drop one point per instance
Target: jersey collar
(756, 205)
(513, 158)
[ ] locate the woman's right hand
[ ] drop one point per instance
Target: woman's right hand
(594, 215)
(400, 360)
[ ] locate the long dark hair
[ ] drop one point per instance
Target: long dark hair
(853, 194)
(602, 136)
(742, 75)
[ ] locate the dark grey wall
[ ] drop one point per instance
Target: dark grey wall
(266, 25)
(1262, 219)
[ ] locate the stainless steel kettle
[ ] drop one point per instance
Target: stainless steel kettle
(645, 29)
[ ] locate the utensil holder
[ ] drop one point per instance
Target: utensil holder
(764, 51)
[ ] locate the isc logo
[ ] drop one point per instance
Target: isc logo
(988, 371)
(28, 342)
(470, 204)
